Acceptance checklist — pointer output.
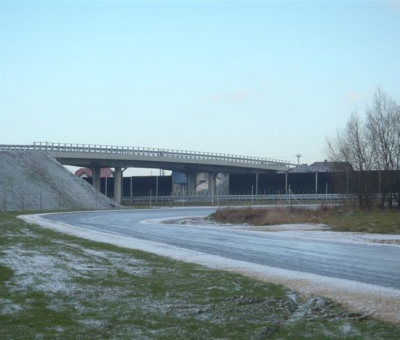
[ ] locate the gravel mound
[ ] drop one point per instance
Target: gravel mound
(35, 181)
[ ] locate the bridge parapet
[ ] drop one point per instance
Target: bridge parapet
(145, 152)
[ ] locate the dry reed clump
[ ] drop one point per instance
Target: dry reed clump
(269, 216)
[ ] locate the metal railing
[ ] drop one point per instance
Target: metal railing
(285, 198)
(144, 152)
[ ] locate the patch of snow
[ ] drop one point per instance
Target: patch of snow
(9, 307)
(347, 329)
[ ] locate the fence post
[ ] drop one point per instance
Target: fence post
(4, 198)
(326, 191)
(150, 198)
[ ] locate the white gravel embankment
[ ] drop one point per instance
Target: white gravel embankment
(32, 180)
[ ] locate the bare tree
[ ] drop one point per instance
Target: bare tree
(350, 145)
(383, 134)
(372, 146)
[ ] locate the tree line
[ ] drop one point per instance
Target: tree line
(371, 144)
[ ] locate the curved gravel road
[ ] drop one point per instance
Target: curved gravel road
(368, 263)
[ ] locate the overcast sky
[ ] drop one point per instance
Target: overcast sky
(259, 78)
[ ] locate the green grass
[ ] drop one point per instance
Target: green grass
(5, 274)
(55, 286)
(339, 218)
(363, 220)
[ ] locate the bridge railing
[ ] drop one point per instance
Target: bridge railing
(142, 151)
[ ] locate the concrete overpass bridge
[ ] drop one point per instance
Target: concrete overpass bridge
(119, 157)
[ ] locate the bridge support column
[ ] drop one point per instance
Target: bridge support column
(118, 185)
(212, 183)
(96, 177)
(286, 182)
(191, 180)
(256, 184)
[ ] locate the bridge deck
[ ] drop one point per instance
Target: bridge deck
(123, 156)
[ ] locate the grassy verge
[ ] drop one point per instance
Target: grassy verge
(54, 286)
(340, 218)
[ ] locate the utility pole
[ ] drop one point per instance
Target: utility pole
(298, 158)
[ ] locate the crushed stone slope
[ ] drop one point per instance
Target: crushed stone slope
(35, 181)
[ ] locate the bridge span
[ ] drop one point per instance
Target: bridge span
(119, 157)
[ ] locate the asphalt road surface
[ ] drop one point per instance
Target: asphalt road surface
(369, 263)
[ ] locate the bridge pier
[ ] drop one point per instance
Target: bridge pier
(257, 183)
(96, 177)
(118, 185)
(212, 183)
(191, 180)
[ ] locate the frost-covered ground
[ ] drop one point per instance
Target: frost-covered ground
(380, 302)
(67, 288)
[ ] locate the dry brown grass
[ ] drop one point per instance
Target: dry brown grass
(340, 218)
(269, 216)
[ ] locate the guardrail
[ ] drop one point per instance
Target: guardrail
(141, 151)
(240, 198)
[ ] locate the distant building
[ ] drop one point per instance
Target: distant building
(179, 183)
(324, 166)
(87, 172)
